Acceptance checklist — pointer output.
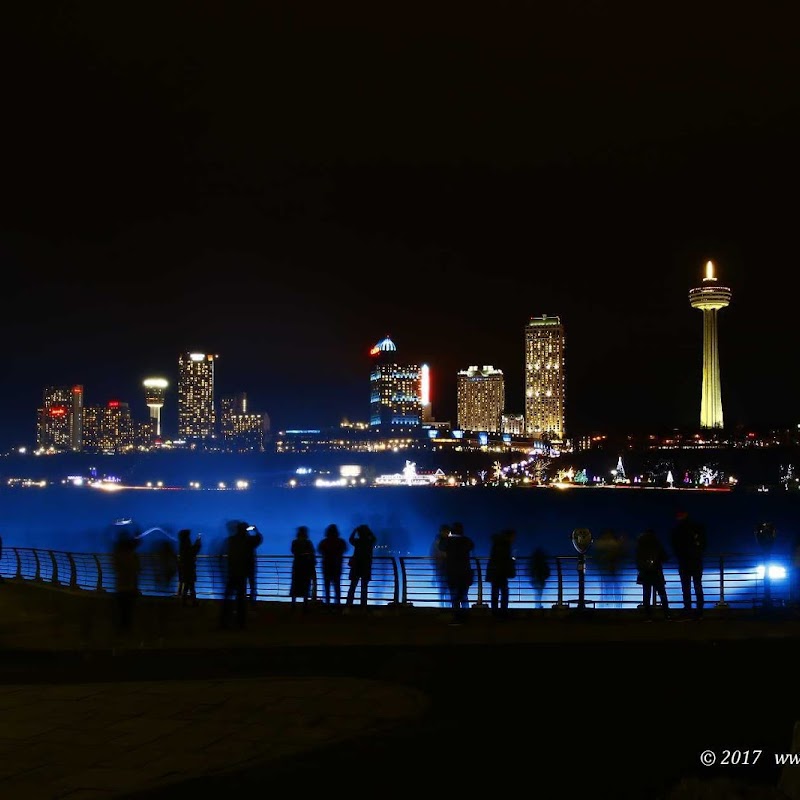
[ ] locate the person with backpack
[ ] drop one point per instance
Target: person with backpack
(689, 547)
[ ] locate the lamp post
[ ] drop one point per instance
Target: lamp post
(765, 536)
(581, 540)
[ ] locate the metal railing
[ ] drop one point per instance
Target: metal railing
(730, 580)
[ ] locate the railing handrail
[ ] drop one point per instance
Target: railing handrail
(730, 578)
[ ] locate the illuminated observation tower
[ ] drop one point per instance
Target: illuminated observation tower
(154, 397)
(710, 298)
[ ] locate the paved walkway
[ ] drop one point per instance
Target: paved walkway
(62, 736)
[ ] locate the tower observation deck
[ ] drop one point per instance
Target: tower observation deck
(710, 297)
(154, 398)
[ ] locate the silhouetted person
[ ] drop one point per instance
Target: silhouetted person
(458, 548)
(501, 568)
(239, 560)
(438, 555)
(166, 566)
(187, 566)
(607, 555)
(331, 551)
(255, 539)
(304, 564)
(127, 568)
(540, 572)
(794, 590)
(650, 558)
(363, 541)
(689, 547)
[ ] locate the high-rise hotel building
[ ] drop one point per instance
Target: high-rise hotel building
(480, 399)
(60, 420)
(395, 400)
(544, 378)
(196, 413)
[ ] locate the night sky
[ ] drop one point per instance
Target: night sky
(284, 184)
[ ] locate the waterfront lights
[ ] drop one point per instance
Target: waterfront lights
(775, 572)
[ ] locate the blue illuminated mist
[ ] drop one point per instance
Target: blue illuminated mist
(404, 519)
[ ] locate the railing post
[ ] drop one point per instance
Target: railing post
(73, 572)
(54, 580)
(19, 563)
(37, 575)
(395, 601)
(404, 582)
(480, 602)
(721, 603)
(560, 576)
(99, 587)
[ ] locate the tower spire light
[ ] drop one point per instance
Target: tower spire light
(710, 298)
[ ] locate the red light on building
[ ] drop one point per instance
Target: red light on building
(113, 403)
(77, 389)
(57, 411)
(375, 350)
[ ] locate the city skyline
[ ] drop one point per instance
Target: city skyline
(285, 190)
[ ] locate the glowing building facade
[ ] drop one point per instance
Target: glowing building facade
(709, 298)
(544, 378)
(480, 399)
(108, 429)
(196, 413)
(60, 420)
(241, 430)
(395, 402)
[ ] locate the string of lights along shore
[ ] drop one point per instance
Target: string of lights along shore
(398, 406)
(710, 298)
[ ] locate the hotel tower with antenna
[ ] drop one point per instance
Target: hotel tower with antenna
(710, 297)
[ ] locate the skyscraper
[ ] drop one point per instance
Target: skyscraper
(480, 397)
(60, 422)
(710, 297)
(196, 414)
(544, 378)
(395, 400)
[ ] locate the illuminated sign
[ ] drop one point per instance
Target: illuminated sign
(58, 411)
(113, 403)
(425, 384)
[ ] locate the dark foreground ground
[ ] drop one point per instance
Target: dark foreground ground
(551, 707)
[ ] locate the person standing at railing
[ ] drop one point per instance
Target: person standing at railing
(794, 584)
(239, 556)
(540, 573)
(438, 556)
(331, 550)
(363, 541)
(127, 568)
(650, 558)
(187, 566)
(304, 564)
(458, 547)
(689, 547)
(501, 568)
(254, 540)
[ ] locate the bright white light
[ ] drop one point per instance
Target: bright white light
(775, 572)
(221, 485)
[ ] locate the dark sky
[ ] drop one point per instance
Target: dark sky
(284, 184)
